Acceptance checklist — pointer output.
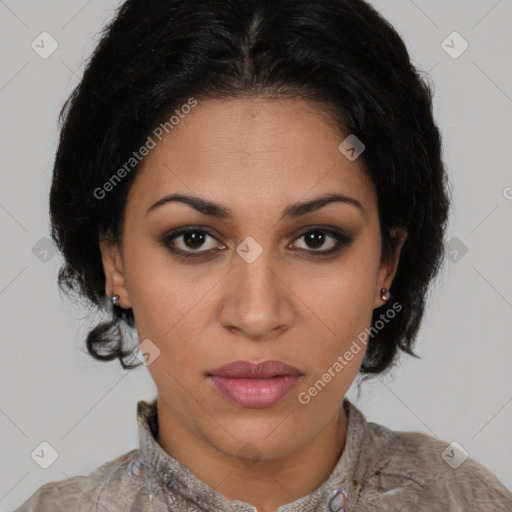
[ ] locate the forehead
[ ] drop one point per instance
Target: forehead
(263, 150)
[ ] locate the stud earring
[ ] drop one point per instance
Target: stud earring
(384, 293)
(115, 300)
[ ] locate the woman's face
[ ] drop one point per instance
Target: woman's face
(258, 277)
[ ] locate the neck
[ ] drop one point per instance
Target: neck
(265, 484)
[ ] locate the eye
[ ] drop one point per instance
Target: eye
(190, 240)
(329, 239)
(195, 242)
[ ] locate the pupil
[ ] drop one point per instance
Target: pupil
(315, 237)
(193, 240)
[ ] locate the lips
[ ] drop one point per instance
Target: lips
(249, 370)
(255, 385)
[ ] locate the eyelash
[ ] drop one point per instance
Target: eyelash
(342, 240)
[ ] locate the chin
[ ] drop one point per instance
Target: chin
(256, 440)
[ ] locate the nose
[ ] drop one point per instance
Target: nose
(257, 302)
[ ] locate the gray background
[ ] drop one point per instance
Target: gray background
(461, 389)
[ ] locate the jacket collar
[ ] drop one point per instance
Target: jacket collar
(171, 475)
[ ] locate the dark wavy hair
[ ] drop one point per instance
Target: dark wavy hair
(156, 54)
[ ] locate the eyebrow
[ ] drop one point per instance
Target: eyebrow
(290, 212)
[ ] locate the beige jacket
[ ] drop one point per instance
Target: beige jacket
(379, 470)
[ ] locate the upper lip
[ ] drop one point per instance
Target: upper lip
(249, 370)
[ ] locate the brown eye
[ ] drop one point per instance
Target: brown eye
(194, 242)
(191, 240)
(330, 240)
(194, 239)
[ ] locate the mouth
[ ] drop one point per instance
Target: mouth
(255, 385)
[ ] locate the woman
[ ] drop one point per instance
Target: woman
(257, 187)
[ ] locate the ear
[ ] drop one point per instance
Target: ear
(389, 267)
(115, 283)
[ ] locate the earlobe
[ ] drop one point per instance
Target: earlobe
(115, 283)
(389, 268)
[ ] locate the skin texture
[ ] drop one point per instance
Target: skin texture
(256, 157)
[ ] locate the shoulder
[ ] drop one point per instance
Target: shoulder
(84, 492)
(429, 474)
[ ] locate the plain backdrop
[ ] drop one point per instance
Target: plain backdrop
(461, 388)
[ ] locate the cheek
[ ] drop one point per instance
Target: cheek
(342, 301)
(164, 294)
(337, 346)
(173, 309)
(341, 307)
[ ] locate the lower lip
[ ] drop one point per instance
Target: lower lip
(255, 393)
